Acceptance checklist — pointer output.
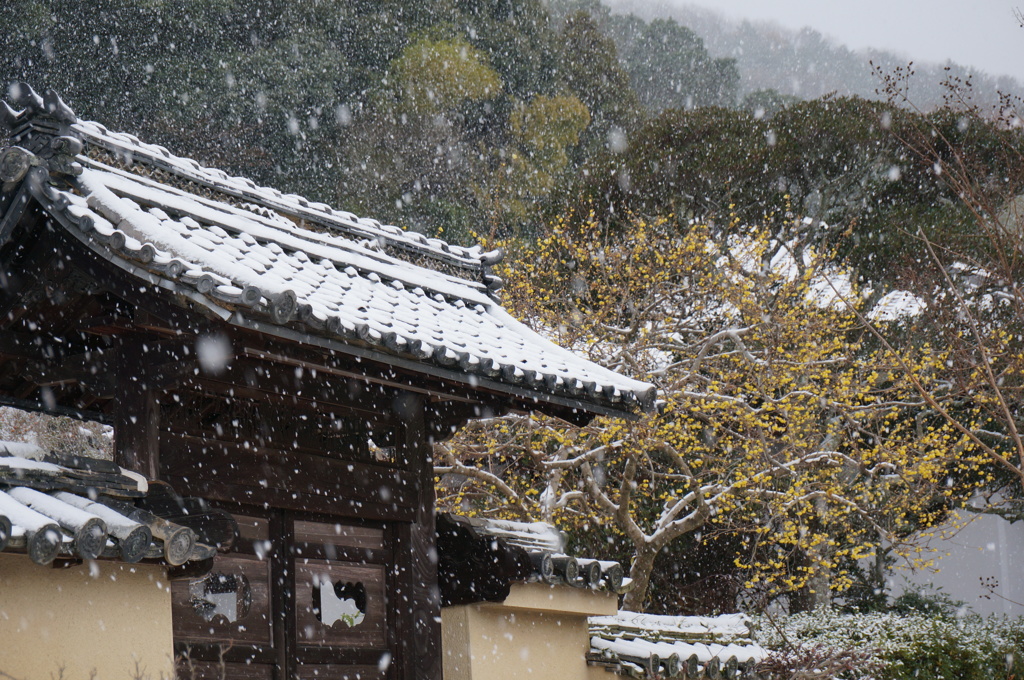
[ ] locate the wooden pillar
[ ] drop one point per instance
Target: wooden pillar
(136, 417)
(418, 599)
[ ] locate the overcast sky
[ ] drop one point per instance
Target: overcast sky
(979, 33)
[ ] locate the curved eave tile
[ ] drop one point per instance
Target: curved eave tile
(233, 264)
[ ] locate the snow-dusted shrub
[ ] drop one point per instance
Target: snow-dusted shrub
(904, 646)
(807, 663)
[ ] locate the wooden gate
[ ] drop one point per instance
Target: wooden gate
(300, 596)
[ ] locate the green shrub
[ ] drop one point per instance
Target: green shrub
(926, 602)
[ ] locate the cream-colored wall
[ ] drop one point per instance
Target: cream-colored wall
(601, 673)
(539, 632)
(95, 622)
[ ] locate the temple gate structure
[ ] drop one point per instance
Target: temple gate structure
(284, 362)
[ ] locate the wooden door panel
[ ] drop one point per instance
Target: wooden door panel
(232, 604)
(339, 534)
(315, 603)
(339, 604)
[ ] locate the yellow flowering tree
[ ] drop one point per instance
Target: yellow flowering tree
(780, 420)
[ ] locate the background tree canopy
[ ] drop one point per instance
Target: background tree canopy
(615, 159)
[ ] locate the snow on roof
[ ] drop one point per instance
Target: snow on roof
(647, 645)
(896, 305)
(20, 466)
(21, 449)
(723, 627)
(84, 509)
(253, 255)
(527, 535)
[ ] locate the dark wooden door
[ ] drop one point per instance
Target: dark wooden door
(301, 597)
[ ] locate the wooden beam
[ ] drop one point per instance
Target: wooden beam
(282, 602)
(366, 374)
(136, 416)
(419, 636)
(105, 324)
(96, 379)
(30, 346)
(13, 210)
(317, 394)
(245, 473)
(55, 361)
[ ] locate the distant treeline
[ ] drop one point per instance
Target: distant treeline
(805, 64)
(481, 116)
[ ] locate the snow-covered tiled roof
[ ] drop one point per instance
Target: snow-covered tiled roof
(647, 645)
(537, 536)
(252, 255)
(722, 627)
(82, 508)
(479, 559)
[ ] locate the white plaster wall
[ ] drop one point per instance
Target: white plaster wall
(988, 547)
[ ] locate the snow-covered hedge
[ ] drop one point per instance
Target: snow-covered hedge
(904, 646)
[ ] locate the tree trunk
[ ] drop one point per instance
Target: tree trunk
(640, 573)
(819, 587)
